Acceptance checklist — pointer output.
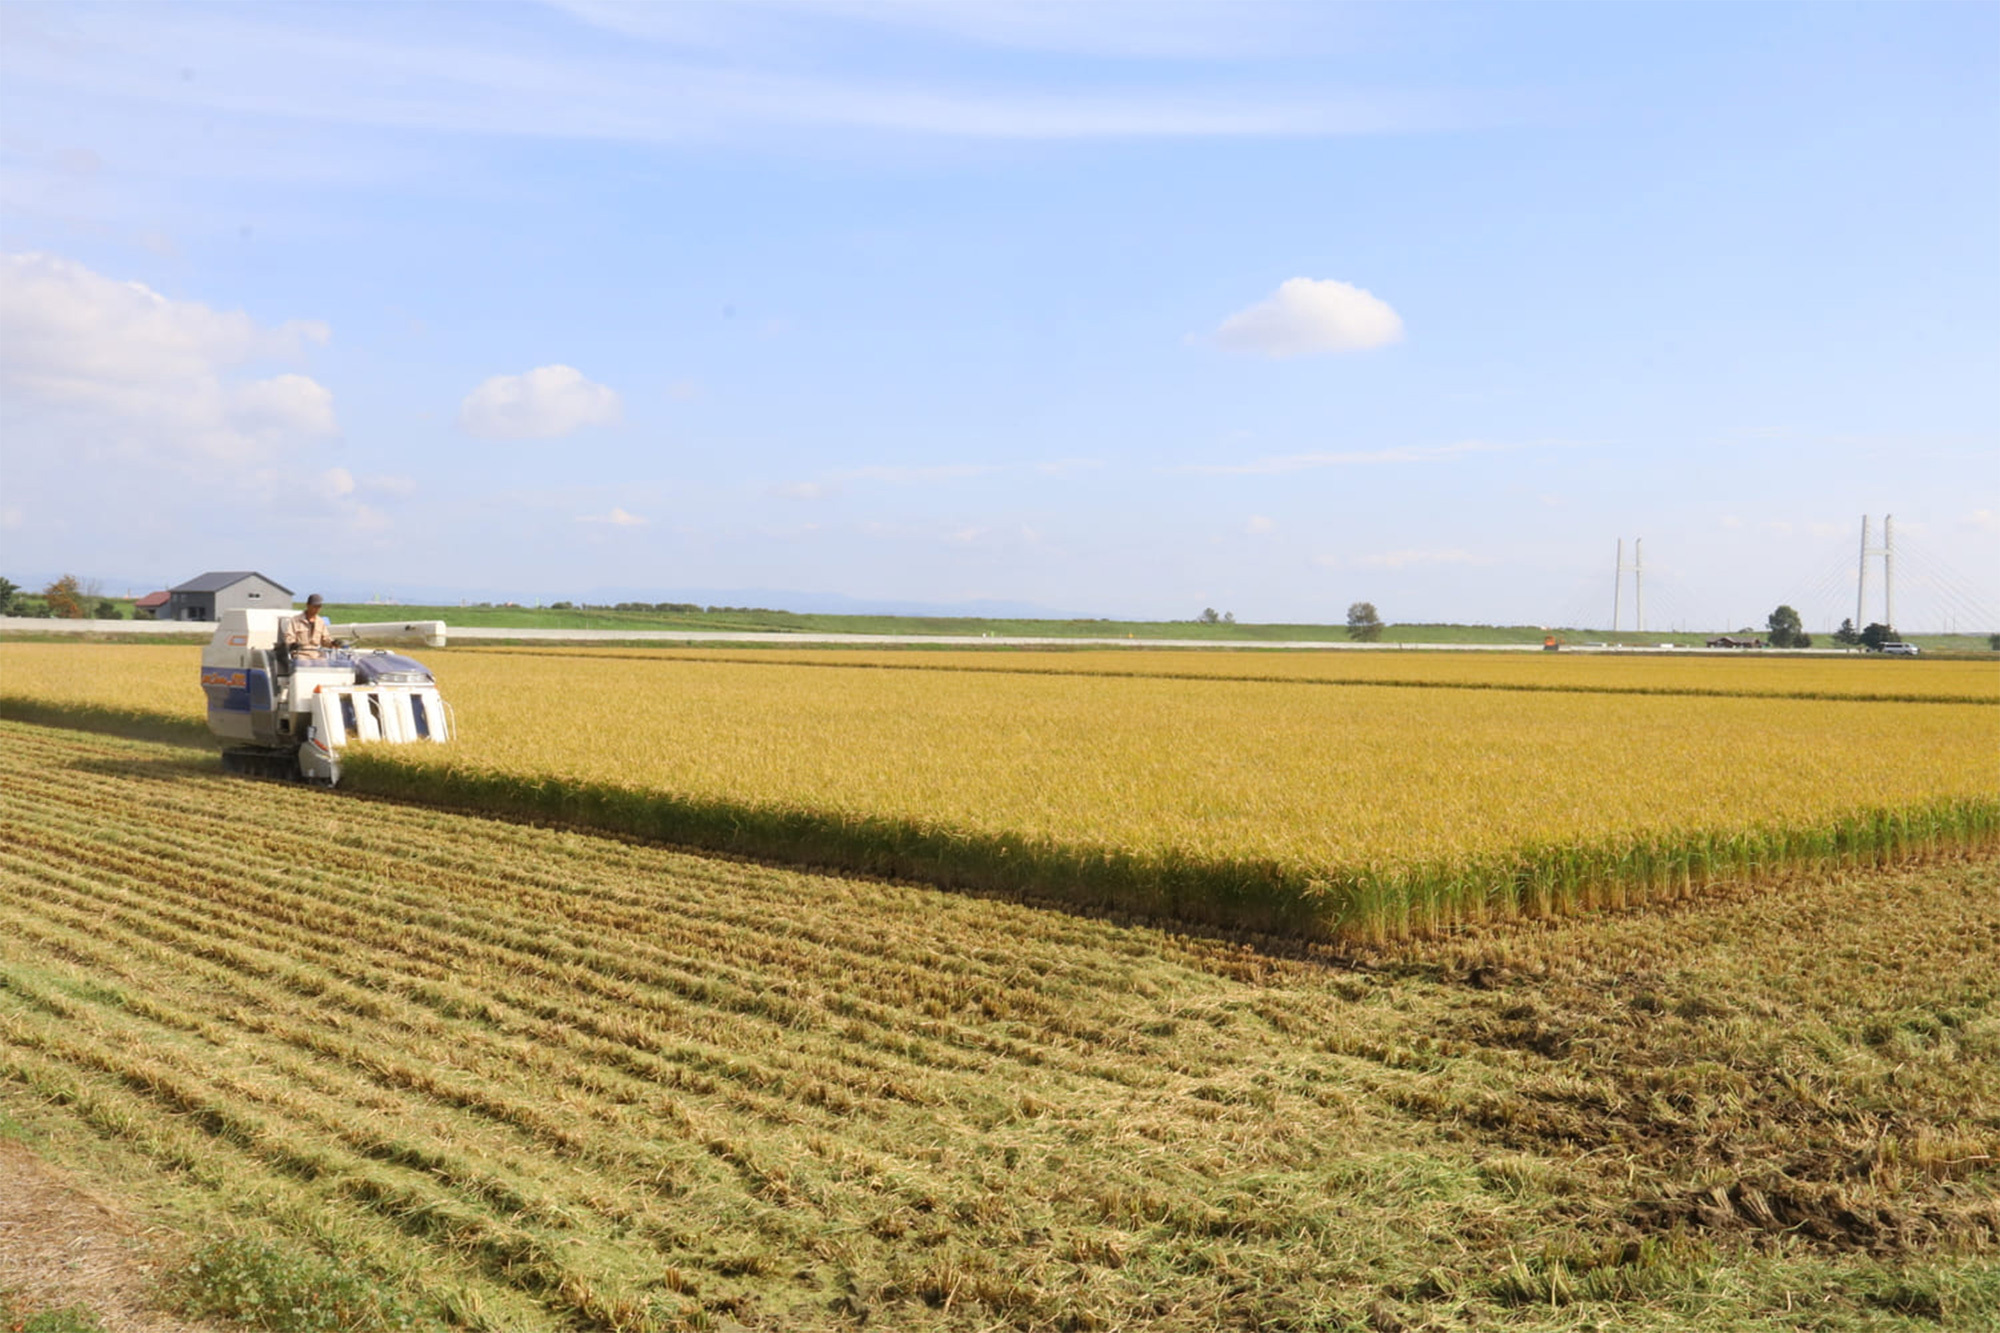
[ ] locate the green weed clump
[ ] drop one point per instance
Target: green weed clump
(271, 1287)
(70, 1319)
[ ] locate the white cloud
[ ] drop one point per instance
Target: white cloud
(547, 402)
(617, 518)
(336, 482)
(1981, 520)
(1307, 315)
(1259, 525)
(284, 405)
(144, 375)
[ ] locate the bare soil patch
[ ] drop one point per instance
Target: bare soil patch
(63, 1246)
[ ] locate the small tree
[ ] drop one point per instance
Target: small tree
(1229, 617)
(9, 591)
(1992, 640)
(65, 598)
(1847, 635)
(1209, 616)
(1875, 636)
(106, 609)
(1362, 622)
(1785, 629)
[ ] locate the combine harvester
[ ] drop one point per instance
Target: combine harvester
(288, 714)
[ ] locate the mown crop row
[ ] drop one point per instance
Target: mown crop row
(543, 1080)
(561, 1082)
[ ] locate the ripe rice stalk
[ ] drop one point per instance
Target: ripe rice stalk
(1282, 804)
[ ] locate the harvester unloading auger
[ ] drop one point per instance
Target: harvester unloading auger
(289, 713)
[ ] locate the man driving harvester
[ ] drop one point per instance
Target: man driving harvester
(306, 634)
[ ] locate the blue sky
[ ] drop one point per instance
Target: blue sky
(1116, 309)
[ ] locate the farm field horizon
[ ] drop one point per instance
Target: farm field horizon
(530, 1078)
(918, 630)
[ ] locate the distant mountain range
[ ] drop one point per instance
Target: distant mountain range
(770, 599)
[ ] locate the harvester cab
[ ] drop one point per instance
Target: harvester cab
(288, 714)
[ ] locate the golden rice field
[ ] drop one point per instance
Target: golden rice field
(532, 1080)
(1271, 803)
(1887, 679)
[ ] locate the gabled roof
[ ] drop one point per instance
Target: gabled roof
(154, 599)
(218, 579)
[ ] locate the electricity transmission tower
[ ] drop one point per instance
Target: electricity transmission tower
(1887, 550)
(1638, 568)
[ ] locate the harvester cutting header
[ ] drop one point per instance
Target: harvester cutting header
(290, 710)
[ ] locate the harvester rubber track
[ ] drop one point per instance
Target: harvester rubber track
(276, 765)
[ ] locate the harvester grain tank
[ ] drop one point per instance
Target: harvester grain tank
(288, 715)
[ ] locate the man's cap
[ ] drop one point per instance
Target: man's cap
(313, 599)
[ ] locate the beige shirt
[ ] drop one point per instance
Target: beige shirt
(303, 633)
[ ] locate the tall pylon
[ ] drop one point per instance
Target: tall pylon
(1887, 550)
(1638, 568)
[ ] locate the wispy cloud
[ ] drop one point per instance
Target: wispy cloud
(1351, 458)
(904, 476)
(1068, 467)
(699, 72)
(617, 518)
(832, 483)
(1171, 29)
(1405, 559)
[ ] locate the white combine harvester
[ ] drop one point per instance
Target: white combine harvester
(289, 714)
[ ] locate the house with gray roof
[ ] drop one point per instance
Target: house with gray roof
(208, 596)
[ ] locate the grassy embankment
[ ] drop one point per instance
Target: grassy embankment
(529, 1079)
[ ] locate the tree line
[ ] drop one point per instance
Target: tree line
(68, 598)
